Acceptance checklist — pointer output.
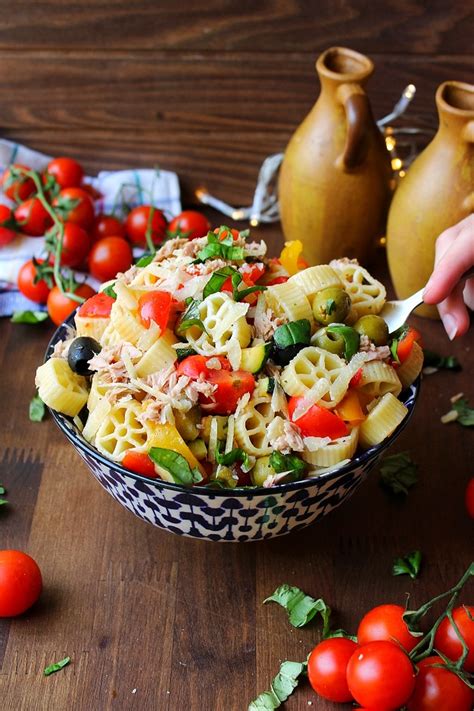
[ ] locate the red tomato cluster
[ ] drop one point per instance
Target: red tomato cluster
(377, 672)
(101, 244)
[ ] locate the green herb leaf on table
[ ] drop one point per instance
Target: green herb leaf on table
(56, 667)
(434, 360)
(176, 465)
(32, 317)
(282, 687)
(301, 608)
(37, 409)
(408, 565)
(398, 473)
(465, 412)
(2, 493)
(287, 463)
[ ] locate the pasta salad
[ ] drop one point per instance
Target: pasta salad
(210, 364)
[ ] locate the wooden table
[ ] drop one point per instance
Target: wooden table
(150, 620)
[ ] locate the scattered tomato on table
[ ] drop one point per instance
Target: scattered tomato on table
(20, 583)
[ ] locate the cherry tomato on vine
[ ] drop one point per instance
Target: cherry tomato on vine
(38, 291)
(140, 463)
(136, 225)
(98, 306)
(75, 205)
(190, 224)
(8, 225)
(107, 226)
(386, 622)
(469, 498)
(327, 665)
(17, 189)
(447, 641)
(32, 217)
(230, 386)
(109, 256)
(317, 421)
(438, 689)
(67, 172)
(20, 583)
(195, 366)
(60, 306)
(381, 676)
(76, 245)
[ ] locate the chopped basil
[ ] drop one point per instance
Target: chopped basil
(110, 291)
(176, 465)
(2, 493)
(465, 412)
(29, 317)
(190, 318)
(398, 336)
(293, 332)
(235, 455)
(217, 280)
(183, 353)
(434, 360)
(145, 260)
(37, 409)
(301, 608)
(398, 473)
(56, 667)
(281, 688)
(288, 463)
(350, 336)
(407, 565)
(220, 248)
(330, 306)
(271, 385)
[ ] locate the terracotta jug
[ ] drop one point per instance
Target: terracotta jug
(334, 179)
(437, 192)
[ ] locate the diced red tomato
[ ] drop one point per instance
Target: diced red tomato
(302, 263)
(251, 276)
(140, 463)
(227, 285)
(317, 421)
(98, 306)
(155, 306)
(278, 280)
(356, 378)
(405, 346)
(230, 388)
(235, 234)
(196, 365)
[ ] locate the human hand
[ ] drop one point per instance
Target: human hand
(454, 256)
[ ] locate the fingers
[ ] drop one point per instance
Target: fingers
(454, 313)
(468, 294)
(454, 256)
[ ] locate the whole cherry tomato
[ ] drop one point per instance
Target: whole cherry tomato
(155, 306)
(470, 498)
(60, 306)
(75, 205)
(438, 689)
(67, 172)
(140, 219)
(34, 290)
(98, 306)
(109, 256)
(140, 463)
(17, 189)
(76, 245)
(327, 665)
(386, 622)
(317, 421)
(8, 226)
(230, 387)
(32, 217)
(20, 583)
(381, 676)
(447, 641)
(190, 224)
(107, 226)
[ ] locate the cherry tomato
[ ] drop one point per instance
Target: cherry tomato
(98, 306)
(32, 217)
(438, 689)
(405, 346)
(470, 498)
(195, 366)
(67, 172)
(447, 642)
(230, 388)
(253, 273)
(327, 666)
(107, 226)
(225, 233)
(38, 291)
(76, 245)
(317, 421)
(8, 225)
(386, 622)
(18, 189)
(278, 280)
(60, 306)
(20, 583)
(140, 463)
(109, 256)
(190, 224)
(75, 205)
(136, 225)
(155, 306)
(381, 676)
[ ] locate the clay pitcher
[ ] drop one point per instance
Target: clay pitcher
(334, 179)
(437, 192)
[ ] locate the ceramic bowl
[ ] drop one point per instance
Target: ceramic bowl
(217, 515)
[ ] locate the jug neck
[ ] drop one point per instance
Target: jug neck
(455, 103)
(339, 65)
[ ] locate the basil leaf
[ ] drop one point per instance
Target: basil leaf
(32, 317)
(223, 248)
(145, 260)
(56, 667)
(398, 473)
(407, 565)
(282, 687)
(2, 493)
(287, 463)
(434, 360)
(350, 336)
(330, 306)
(301, 608)
(398, 336)
(183, 353)
(37, 409)
(217, 280)
(190, 318)
(292, 333)
(176, 465)
(466, 413)
(110, 291)
(235, 455)
(239, 295)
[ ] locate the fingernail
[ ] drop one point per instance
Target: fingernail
(451, 326)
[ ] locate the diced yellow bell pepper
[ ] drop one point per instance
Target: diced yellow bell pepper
(167, 437)
(350, 410)
(291, 258)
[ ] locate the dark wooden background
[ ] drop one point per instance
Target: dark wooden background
(208, 91)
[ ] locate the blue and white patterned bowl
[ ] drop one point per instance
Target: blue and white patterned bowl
(216, 515)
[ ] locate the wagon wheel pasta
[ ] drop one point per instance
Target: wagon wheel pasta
(251, 427)
(307, 367)
(367, 294)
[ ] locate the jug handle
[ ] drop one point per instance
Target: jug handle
(468, 132)
(358, 117)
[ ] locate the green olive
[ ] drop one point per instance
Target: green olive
(187, 423)
(332, 342)
(331, 305)
(374, 327)
(261, 470)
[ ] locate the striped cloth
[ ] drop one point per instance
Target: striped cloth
(118, 189)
